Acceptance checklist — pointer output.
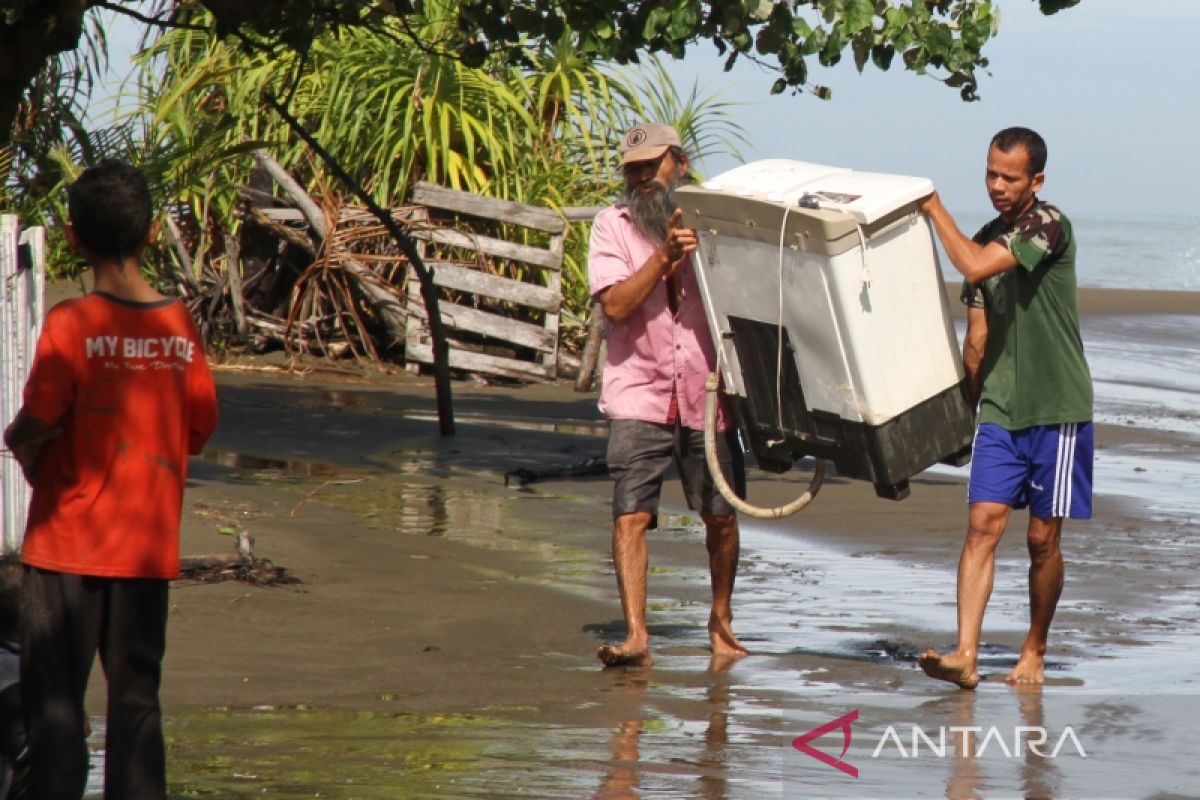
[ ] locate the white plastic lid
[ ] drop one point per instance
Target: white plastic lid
(866, 196)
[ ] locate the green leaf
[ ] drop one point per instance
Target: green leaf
(733, 26)
(681, 27)
(977, 28)
(862, 50)
(831, 53)
(814, 43)
(895, 20)
(881, 55)
(859, 15)
(1054, 6)
(768, 40)
(656, 21)
(474, 55)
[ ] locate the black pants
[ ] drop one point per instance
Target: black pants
(65, 620)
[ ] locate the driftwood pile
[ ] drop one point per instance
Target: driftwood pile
(299, 276)
(329, 280)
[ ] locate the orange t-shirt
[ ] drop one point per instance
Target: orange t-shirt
(129, 386)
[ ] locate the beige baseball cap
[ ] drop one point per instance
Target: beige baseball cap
(647, 141)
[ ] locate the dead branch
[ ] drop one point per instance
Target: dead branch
(289, 235)
(233, 271)
(311, 494)
(312, 212)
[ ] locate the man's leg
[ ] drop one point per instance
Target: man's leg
(639, 454)
(59, 629)
(131, 651)
(976, 568)
(1061, 458)
(722, 538)
(1045, 587)
(723, 542)
(631, 559)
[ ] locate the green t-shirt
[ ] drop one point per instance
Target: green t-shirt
(1034, 370)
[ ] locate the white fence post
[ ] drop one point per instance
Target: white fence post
(22, 306)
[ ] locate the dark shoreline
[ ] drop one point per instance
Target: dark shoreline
(1103, 302)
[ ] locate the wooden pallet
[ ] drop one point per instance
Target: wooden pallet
(457, 262)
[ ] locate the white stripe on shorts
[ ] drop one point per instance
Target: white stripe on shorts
(1060, 503)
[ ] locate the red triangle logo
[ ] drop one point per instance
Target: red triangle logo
(801, 743)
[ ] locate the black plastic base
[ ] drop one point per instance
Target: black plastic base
(937, 430)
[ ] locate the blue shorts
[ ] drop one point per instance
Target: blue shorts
(1046, 467)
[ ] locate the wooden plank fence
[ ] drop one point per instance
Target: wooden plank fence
(530, 349)
(22, 306)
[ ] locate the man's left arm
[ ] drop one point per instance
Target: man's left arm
(976, 262)
(26, 437)
(974, 344)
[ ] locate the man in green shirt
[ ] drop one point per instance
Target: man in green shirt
(1033, 447)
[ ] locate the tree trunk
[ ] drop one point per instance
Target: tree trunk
(28, 39)
(591, 350)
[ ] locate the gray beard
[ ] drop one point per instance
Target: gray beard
(651, 205)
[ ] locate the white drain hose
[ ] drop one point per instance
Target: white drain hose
(714, 466)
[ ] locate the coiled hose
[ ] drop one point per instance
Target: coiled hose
(714, 466)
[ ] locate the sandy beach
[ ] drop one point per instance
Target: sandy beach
(441, 640)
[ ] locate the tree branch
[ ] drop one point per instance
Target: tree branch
(156, 22)
(429, 291)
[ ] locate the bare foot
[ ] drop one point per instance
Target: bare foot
(625, 655)
(951, 667)
(724, 643)
(1029, 671)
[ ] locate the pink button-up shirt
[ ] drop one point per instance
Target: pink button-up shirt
(653, 352)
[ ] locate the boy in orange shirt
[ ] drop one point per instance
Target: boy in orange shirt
(118, 396)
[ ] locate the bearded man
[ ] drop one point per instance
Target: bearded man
(659, 355)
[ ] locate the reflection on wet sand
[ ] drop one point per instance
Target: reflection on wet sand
(966, 775)
(713, 778)
(968, 778)
(1040, 778)
(623, 778)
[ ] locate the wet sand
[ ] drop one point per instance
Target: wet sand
(442, 640)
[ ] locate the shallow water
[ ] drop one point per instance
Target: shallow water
(831, 624)
(1144, 369)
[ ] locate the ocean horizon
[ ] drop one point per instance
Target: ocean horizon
(1150, 251)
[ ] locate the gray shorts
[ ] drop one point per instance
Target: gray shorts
(640, 453)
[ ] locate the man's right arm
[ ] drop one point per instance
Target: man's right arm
(975, 261)
(201, 391)
(621, 299)
(26, 437)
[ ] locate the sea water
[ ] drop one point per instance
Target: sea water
(1151, 252)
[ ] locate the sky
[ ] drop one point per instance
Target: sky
(1112, 85)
